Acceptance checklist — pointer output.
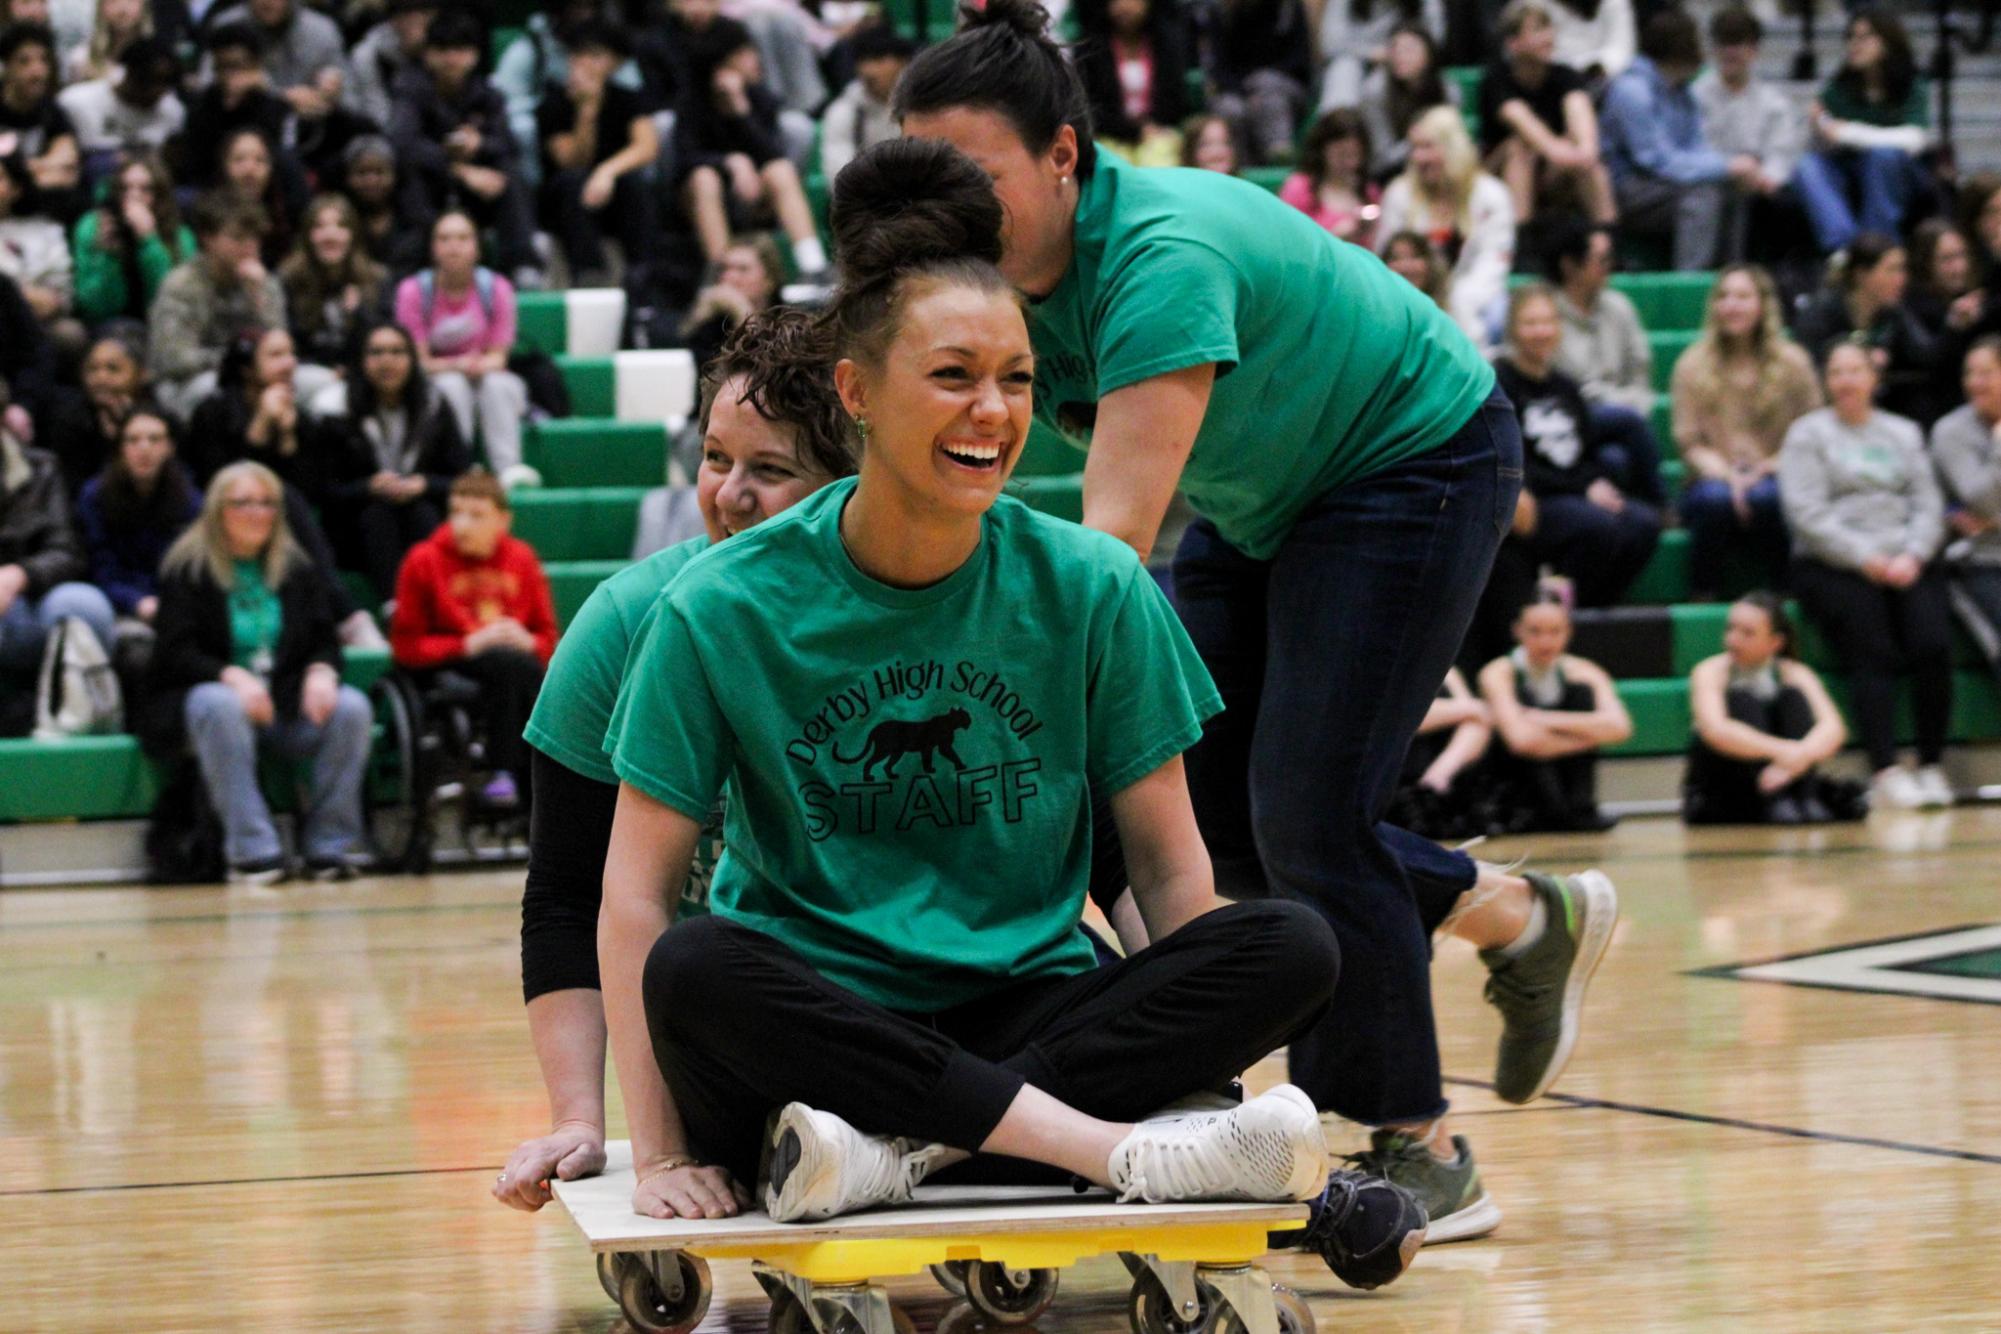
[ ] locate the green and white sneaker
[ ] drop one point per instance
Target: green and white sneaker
(1451, 1193)
(1540, 993)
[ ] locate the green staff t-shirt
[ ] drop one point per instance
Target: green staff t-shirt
(574, 709)
(909, 768)
(1329, 366)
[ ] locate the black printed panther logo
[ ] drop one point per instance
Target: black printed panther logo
(889, 742)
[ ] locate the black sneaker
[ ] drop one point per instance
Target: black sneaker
(1368, 1230)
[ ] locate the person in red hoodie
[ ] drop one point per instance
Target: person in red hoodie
(473, 598)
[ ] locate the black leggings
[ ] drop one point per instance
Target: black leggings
(1720, 789)
(1555, 794)
(569, 830)
(742, 1025)
(1877, 633)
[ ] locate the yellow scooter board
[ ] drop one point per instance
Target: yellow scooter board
(1001, 1248)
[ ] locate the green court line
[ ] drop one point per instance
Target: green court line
(1982, 964)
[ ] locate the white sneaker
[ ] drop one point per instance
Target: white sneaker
(1934, 787)
(1268, 1149)
(1896, 789)
(817, 1166)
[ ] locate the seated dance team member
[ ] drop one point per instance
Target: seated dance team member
(773, 433)
(912, 686)
(1347, 521)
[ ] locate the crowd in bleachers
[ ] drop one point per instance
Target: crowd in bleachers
(295, 234)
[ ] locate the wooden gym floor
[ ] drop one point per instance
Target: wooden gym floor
(280, 1110)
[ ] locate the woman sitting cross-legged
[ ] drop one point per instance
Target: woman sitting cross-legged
(1867, 519)
(1763, 723)
(896, 921)
(1552, 712)
(248, 660)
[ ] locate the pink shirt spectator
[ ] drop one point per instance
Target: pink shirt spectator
(1356, 224)
(458, 324)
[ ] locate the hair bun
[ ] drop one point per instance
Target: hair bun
(1026, 17)
(907, 202)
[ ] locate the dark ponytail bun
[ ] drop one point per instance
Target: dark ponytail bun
(1003, 60)
(907, 209)
(1026, 17)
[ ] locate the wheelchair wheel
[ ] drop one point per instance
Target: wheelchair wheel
(399, 816)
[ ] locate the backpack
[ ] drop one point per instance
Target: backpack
(77, 693)
(482, 283)
(183, 833)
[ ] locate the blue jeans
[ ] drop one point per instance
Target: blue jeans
(1627, 450)
(1853, 190)
(1714, 527)
(226, 743)
(25, 626)
(1327, 656)
(1600, 552)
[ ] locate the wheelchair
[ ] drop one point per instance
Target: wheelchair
(425, 779)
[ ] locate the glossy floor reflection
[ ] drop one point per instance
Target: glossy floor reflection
(280, 1110)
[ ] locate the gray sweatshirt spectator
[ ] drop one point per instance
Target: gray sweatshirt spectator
(300, 44)
(389, 48)
(1606, 351)
(1755, 120)
(1969, 463)
(1855, 492)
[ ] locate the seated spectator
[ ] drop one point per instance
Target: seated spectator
(1552, 712)
(1432, 799)
(1399, 90)
(1606, 351)
(237, 97)
(747, 281)
(27, 361)
(81, 430)
(391, 49)
(1583, 526)
(1594, 37)
(204, 303)
(1744, 116)
(1351, 38)
(1261, 54)
(1869, 124)
(454, 147)
(305, 57)
(137, 109)
(257, 412)
(1867, 520)
(332, 291)
(1538, 131)
(250, 174)
(1946, 299)
(1465, 214)
(1209, 143)
(598, 148)
(461, 316)
(124, 248)
(1737, 390)
(42, 564)
(33, 126)
(1412, 257)
(734, 172)
(394, 228)
(1133, 63)
(1332, 185)
(1763, 725)
(1864, 302)
(34, 252)
(538, 60)
(474, 599)
(1669, 181)
(132, 511)
(1968, 458)
(860, 117)
(247, 660)
(684, 40)
(117, 26)
(393, 452)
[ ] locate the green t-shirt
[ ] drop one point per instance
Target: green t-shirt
(255, 619)
(573, 712)
(574, 709)
(909, 769)
(1329, 366)
(1843, 104)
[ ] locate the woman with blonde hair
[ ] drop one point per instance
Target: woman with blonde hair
(118, 24)
(248, 659)
(1464, 212)
(1736, 391)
